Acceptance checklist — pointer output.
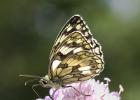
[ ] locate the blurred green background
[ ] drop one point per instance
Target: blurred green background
(28, 29)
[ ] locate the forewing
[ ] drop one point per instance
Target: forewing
(76, 23)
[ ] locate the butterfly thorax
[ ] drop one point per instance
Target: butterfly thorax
(47, 83)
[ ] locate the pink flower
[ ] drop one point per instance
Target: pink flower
(87, 90)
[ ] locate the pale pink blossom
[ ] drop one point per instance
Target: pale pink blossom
(87, 90)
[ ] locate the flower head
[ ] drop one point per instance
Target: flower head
(87, 90)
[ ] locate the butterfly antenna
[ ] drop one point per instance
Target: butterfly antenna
(30, 76)
(33, 86)
(29, 81)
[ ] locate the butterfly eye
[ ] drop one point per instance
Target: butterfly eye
(44, 82)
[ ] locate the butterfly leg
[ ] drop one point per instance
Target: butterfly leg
(77, 90)
(51, 96)
(33, 86)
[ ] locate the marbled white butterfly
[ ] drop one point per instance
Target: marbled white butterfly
(75, 56)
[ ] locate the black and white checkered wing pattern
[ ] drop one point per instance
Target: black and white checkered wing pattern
(76, 55)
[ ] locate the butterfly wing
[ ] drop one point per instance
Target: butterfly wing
(76, 55)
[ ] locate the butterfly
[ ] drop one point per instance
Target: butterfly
(75, 56)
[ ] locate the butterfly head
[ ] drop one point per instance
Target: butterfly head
(47, 83)
(44, 81)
